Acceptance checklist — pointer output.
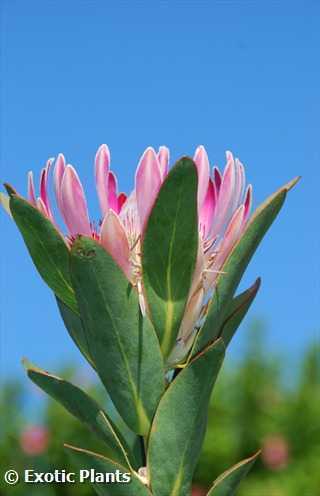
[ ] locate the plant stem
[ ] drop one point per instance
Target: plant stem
(143, 450)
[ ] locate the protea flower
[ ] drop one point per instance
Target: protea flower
(178, 269)
(223, 210)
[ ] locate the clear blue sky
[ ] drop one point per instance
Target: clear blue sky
(239, 75)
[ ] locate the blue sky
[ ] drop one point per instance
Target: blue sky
(238, 75)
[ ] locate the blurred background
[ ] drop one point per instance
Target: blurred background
(253, 406)
(238, 75)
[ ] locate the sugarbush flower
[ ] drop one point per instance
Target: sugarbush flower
(182, 241)
(224, 204)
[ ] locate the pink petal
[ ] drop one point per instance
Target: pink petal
(242, 175)
(74, 206)
(247, 202)
(130, 218)
(122, 198)
(112, 192)
(197, 273)
(41, 207)
(195, 301)
(234, 225)
(225, 197)
(114, 239)
(202, 162)
(228, 178)
(191, 314)
(44, 187)
(232, 234)
(148, 183)
(239, 184)
(31, 191)
(102, 162)
(163, 157)
(207, 210)
(217, 178)
(57, 177)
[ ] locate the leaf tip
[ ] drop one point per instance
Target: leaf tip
(218, 344)
(10, 189)
(185, 161)
(27, 365)
(292, 183)
(256, 285)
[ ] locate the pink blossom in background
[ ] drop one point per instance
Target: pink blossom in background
(34, 440)
(198, 491)
(275, 452)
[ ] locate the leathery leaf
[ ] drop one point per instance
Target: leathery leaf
(238, 309)
(75, 328)
(93, 464)
(228, 482)
(169, 251)
(123, 344)
(47, 248)
(84, 408)
(180, 422)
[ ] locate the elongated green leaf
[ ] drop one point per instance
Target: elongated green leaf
(81, 406)
(180, 422)
(47, 248)
(94, 463)
(237, 310)
(169, 251)
(237, 262)
(75, 328)
(122, 343)
(227, 484)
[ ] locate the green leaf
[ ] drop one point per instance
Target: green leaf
(75, 328)
(122, 343)
(81, 406)
(47, 248)
(227, 483)
(237, 310)
(180, 422)
(236, 263)
(86, 460)
(169, 251)
(10, 189)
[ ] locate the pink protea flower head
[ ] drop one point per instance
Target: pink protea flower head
(34, 440)
(224, 204)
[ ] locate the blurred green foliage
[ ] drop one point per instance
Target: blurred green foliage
(260, 401)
